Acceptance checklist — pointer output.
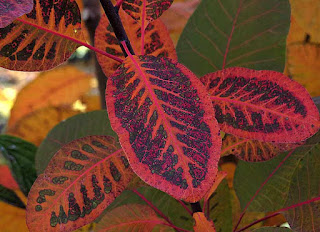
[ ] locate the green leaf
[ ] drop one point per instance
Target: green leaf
(78, 126)
(10, 197)
(305, 186)
(221, 208)
(230, 33)
(165, 203)
(250, 176)
(272, 229)
(20, 157)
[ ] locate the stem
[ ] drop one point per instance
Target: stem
(73, 40)
(185, 207)
(143, 27)
(196, 207)
(116, 24)
(258, 191)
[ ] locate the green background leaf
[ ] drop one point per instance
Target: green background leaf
(10, 197)
(20, 157)
(251, 33)
(272, 229)
(78, 126)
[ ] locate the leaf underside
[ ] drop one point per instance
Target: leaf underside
(132, 217)
(229, 33)
(262, 105)
(81, 180)
(26, 48)
(253, 150)
(166, 125)
(10, 10)
(157, 41)
(147, 10)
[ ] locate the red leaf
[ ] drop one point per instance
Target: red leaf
(157, 41)
(33, 42)
(166, 125)
(262, 105)
(12, 9)
(81, 180)
(6, 178)
(145, 10)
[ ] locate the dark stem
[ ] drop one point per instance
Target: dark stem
(116, 24)
(196, 207)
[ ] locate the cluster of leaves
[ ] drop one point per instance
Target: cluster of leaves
(165, 120)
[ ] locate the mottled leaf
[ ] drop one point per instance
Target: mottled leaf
(305, 186)
(81, 180)
(132, 217)
(169, 206)
(60, 86)
(12, 9)
(145, 11)
(35, 126)
(75, 127)
(202, 224)
(6, 178)
(272, 229)
(253, 150)
(165, 123)
(32, 43)
(262, 105)
(228, 33)
(274, 194)
(157, 41)
(20, 157)
(304, 65)
(10, 197)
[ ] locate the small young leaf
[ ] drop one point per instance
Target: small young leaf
(12, 9)
(145, 10)
(165, 123)
(157, 41)
(228, 33)
(10, 197)
(81, 180)
(75, 127)
(20, 157)
(132, 217)
(60, 86)
(202, 223)
(262, 105)
(253, 150)
(26, 47)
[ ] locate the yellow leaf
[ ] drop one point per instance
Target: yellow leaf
(230, 169)
(35, 126)
(304, 66)
(60, 86)
(202, 223)
(296, 32)
(92, 102)
(306, 12)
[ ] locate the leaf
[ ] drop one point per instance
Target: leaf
(214, 37)
(202, 224)
(31, 42)
(35, 126)
(10, 197)
(10, 10)
(306, 13)
(76, 127)
(253, 150)
(261, 105)
(274, 194)
(6, 178)
(20, 157)
(132, 218)
(272, 229)
(169, 206)
(13, 219)
(304, 66)
(220, 176)
(157, 41)
(145, 10)
(296, 33)
(81, 180)
(305, 185)
(60, 86)
(166, 128)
